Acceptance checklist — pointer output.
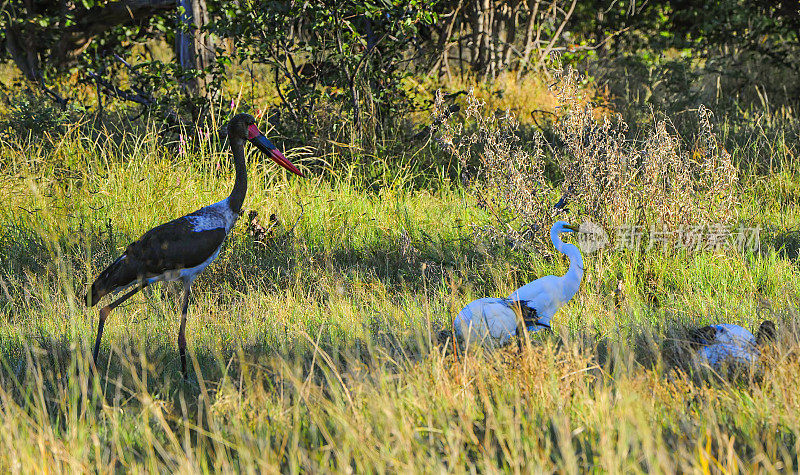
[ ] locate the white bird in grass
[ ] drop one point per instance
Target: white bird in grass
(494, 320)
(726, 344)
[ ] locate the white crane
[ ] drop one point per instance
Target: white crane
(494, 320)
(727, 344)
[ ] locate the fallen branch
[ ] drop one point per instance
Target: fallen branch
(120, 93)
(136, 95)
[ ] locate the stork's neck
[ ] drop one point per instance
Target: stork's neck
(572, 279)
(236, 199)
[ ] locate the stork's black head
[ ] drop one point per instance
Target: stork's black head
(243, 127)
(239, 125)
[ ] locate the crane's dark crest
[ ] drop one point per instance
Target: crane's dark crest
(766, 333)
(182, 248)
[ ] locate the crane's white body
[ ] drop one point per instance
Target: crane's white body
(732, 345)
(494, 320)
(487, 321)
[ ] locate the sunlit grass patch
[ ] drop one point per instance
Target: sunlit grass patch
(313, 346)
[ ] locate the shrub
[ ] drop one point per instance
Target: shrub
(32, 115)
(615, 180)
(607, 177)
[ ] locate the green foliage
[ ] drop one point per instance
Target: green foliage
(33, 115)
(338, 65)
(338, 68)
(729, 55)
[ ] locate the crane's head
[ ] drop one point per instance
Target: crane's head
(766, 332)
(243, 127)
(564, 227)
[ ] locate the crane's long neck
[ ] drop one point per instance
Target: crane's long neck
(236, 199)
(572, 279)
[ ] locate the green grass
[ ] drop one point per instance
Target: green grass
(313, 350)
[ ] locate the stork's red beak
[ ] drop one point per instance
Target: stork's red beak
(257, 138)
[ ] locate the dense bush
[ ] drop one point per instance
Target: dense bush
(658, 179)
(338, 65)
(340, 70)
(31, 115)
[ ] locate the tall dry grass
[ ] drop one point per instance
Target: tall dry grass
(655, 179)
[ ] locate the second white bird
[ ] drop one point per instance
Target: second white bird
(495, 320)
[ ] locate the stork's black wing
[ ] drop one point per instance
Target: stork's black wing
(171, 246)
(174, 245)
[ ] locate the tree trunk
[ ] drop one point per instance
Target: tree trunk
(194, 47)
(533, 12)
(512, 19)
(444, 43)
(490, 32)
(556, 35)
(479, 35)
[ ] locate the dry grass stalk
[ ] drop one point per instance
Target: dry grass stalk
(609, 178)
(513, 187)
(615, 180)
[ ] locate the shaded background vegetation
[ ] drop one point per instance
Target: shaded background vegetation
(341, 69)
(354, 83)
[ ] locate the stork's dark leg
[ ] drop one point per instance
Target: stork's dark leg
(187, 286)
(105, 312)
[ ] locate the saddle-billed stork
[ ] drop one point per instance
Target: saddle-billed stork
(494, 320)
(182, 248)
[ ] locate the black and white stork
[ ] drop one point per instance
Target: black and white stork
(182, 248)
